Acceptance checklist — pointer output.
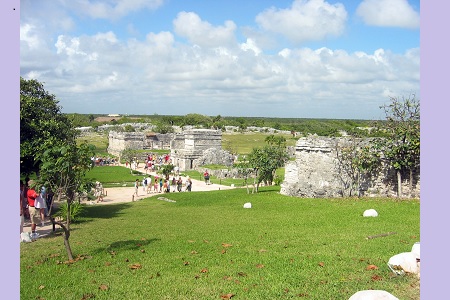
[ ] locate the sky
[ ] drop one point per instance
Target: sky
(288, 59)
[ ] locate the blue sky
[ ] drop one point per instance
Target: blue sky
(299, 59)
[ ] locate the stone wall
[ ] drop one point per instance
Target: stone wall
(187, 147)
(314, 173)
(119, 141)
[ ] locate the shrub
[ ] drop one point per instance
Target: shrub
(76, 209)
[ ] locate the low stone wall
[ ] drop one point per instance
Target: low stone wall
(314, 174)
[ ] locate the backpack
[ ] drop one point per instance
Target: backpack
(145, 181)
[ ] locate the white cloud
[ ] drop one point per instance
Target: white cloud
(250, 44)
(212, 73)
(158, 68)
(305, 20)
(388, 13)
(198, 32)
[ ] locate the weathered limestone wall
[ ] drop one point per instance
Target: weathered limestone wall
(314, 173)
(119, 141)
(187, 147)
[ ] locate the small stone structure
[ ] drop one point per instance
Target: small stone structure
(314, 174)
(189, 146)
(119, 141)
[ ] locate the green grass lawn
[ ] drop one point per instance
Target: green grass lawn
(206, 245)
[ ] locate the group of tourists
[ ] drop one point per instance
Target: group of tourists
(158, 184)
(152, 163)
(35, 205)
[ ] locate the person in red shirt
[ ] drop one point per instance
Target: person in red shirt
(206, 176)
(34, 212)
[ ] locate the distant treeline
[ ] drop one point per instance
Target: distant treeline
(322, 127)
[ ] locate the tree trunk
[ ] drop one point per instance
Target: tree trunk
(399, 184)
(66, 237)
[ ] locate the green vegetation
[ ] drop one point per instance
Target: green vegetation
(113, 176)
(206, 245)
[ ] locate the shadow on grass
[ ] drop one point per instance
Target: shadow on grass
(126, 245)
(101, 212)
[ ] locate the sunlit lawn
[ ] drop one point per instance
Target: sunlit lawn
(206, 245)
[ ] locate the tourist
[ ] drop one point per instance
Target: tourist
(155, 184)
(34, 213)
(40, 205)
(49, 200)
(144, 184)
(166, 187)
(188, 184)
(173, 184)
(160, 184)
(149, 183)
(136, 188)
(22, 220)
(179, 184)
(206, 176)
(99, 191)
(26, 212)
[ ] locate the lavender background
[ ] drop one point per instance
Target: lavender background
(434, 110)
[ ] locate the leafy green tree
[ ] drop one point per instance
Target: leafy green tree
(41, 124)
(63, 168)
(166, 169)
(402, 146)
(129, 155)
(265, 161)
(163, 128)
(197, 120)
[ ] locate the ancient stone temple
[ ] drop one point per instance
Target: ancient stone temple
(314, 173)
(187, 147)
(119, 141)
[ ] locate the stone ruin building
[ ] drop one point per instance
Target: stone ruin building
(314, 174)
(119, 141)
(188, 150)
(193, 148)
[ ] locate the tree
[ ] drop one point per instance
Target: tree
(401, 148)
(356, 162)
(265, 161)
(129, 155)
(63, 169)
(41, 121)
(166, 170)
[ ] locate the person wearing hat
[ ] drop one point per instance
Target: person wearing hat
(34, 212)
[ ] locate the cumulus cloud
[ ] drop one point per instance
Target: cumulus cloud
(388, 13)
(209, 71)
(189, 25)
(305, 20)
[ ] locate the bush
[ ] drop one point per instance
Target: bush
(76, 209)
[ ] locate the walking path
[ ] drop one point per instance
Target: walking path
(125, 194)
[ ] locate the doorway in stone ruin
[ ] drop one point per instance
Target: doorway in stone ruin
(192, 164)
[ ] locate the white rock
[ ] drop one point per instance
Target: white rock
(416, 249)
(248, 205)
(370, 213)
(372, 295)
(25, 237)
(406, 260)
